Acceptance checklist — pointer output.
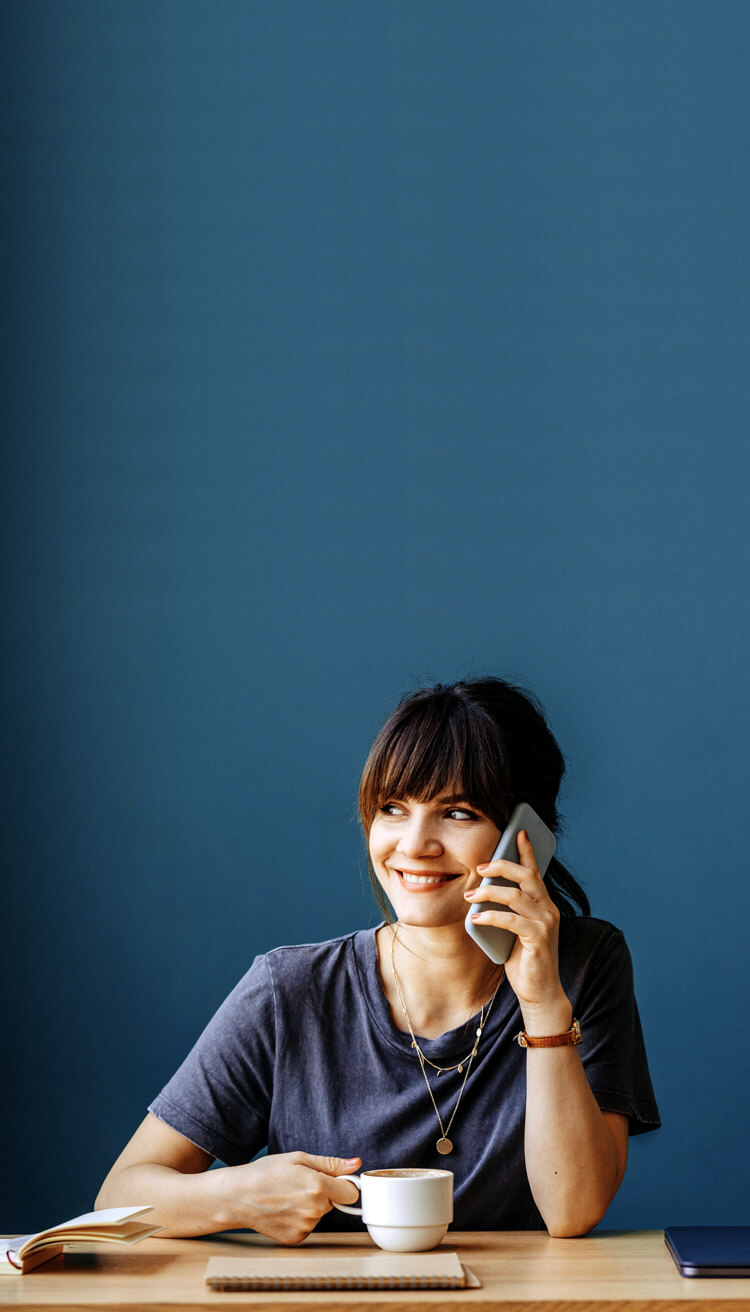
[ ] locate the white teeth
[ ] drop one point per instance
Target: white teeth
(421, 879)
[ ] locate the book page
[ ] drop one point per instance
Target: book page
(105, 1219)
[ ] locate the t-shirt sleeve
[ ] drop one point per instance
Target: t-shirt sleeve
(612, 1048)
(220, 1096)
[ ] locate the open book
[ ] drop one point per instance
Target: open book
(121, 1224)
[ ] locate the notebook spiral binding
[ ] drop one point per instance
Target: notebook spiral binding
(235, 1283)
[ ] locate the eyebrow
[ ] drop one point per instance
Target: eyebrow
(454, 797)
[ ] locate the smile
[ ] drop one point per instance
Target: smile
(415, 882)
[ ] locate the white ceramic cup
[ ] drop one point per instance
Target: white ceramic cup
(405, 1211)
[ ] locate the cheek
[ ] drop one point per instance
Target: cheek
(377, 843)
(381, 845)
(478, 847)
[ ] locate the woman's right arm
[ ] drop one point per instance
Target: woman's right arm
(282, 1196)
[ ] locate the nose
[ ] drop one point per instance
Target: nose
(418, 837)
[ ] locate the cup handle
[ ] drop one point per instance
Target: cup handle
(354, 1211)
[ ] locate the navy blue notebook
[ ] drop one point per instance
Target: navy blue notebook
(710, 1250)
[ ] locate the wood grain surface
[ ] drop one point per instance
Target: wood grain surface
(609, 1272)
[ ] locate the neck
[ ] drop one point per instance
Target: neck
(444, 976)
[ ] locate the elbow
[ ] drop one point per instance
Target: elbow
(107, 1196)
(576, 1217)
(570, 1215)
(574, 1222)
(571, 1229)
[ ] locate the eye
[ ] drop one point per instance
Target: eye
(387, 808)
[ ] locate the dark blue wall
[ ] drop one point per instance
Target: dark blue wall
(350, 346)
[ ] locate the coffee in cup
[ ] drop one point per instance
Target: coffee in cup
(405, 1210)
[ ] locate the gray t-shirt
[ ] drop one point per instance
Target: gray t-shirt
(303, 1054)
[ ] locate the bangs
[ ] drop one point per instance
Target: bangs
(484, 739)
(441, 744)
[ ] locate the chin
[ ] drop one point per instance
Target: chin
(427, 919)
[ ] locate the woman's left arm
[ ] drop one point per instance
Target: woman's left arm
(575, 1153)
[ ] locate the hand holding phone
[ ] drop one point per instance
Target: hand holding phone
(497, 942)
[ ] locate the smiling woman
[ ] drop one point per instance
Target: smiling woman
(485, 742)
(397, 1044)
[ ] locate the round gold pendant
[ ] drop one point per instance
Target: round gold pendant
(444, 1146)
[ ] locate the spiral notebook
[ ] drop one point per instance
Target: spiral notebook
(321, 1270)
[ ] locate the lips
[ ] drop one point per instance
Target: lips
(425, 880)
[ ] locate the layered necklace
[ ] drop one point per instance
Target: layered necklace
(444, 1144)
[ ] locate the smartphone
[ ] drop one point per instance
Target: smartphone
(497, 942)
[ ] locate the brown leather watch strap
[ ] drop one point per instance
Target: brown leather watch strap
(571, 1036)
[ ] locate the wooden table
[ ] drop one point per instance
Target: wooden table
(609, 1272)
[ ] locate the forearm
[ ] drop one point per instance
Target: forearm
(184, 1204)
(571, 1159)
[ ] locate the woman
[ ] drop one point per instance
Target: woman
(396, 1046)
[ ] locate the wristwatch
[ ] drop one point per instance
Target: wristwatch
(571, 1036)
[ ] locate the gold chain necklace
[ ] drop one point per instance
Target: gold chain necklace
(444, 1144)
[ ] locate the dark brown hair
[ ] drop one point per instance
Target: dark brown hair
(485, 738)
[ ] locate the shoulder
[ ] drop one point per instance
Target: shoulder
(295, 974)
(588, 933)
(589, 946)
(314, 964)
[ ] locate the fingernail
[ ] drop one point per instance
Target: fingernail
(483, 866)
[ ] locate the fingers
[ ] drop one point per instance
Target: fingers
(325, 1188)
(522, 875)
(503, 920)
(526, 873)
(521, 903)
(290, 1192)
(526, 848)
(328, 1165)
(513, 897)
(342, 1191)
(529, 899)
